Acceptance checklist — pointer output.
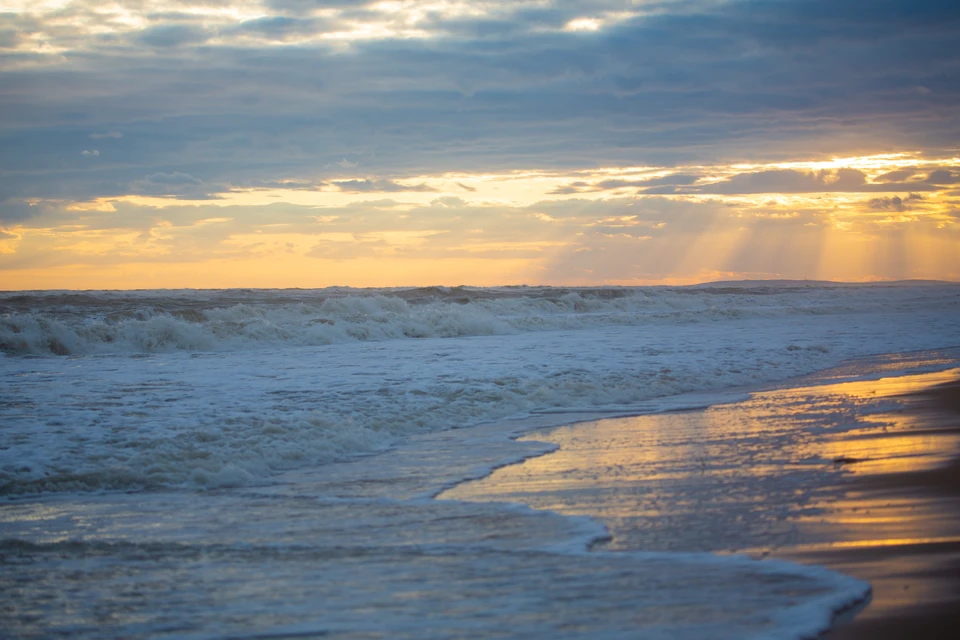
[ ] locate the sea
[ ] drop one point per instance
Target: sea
(252, 463)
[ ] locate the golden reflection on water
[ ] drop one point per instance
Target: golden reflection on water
(770, 472)
(893, 452)
(889, 442)
(885, 387)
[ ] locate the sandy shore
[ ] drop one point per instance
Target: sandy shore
(915, 574)
(861, 477)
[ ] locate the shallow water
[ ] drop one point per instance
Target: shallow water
(360, 550)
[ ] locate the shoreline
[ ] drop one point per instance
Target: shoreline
(915, 578)
(885, 511)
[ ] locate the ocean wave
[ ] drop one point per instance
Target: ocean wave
(76, 323)
(220, 389)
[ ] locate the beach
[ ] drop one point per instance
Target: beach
(915, 575)
(878, 500)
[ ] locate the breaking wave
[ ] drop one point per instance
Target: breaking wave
(99, 322)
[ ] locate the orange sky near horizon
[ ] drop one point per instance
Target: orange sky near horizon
(515, 228)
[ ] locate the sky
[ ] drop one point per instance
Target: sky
(312, 143)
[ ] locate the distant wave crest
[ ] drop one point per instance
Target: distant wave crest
(68, 323)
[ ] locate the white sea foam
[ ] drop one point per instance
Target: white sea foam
(63, 323)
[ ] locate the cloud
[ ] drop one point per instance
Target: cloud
(10, 38)
(173, 35)
(897, 176)
(606, 240)
(284, 28)
(90, 154)
(15, 210)
(896, 203)
(942, 176)
(696, 83)
(378, 186)
(178, 185)
(571, 188)
(300, 185)
(175, 178)
(789, 181)
(672, 180)
(449, 202)
(886, 204)
(298, 7)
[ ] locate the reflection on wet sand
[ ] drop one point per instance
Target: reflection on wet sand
(859, 476)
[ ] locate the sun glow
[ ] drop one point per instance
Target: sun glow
(583, 24)
(595, 219)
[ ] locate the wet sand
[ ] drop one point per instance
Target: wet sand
(915, 575)
(862, 477)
